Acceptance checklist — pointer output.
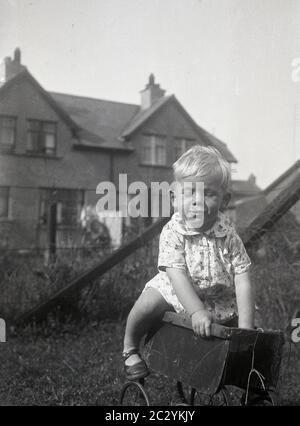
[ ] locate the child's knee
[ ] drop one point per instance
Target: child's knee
(151, 302)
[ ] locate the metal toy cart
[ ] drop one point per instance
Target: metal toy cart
(204, 368)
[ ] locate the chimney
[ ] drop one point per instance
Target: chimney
(17, 56)
(9, 68)
(252, 179)
(151, 93)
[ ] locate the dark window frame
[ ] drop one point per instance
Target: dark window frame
(187, 142)
(152, 142)
(39, 138)
(63, 197)
(8, 147)
(5, 215)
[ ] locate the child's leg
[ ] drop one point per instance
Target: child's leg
(149, 307)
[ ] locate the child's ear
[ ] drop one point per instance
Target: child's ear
(226, 201)
(172, 199)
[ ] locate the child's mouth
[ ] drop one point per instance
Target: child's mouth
(194, 214)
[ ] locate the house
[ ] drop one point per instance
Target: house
(56, 148)
(284, 183)
(247, 209)
(247, 199)
(244, 189)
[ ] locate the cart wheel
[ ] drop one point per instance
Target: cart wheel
(134, 394)
(184, 395)
(273, 397)
(269, 398)
(220, 398)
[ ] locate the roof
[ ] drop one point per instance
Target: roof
(205, 136)
(245, 187)
(103, 124)
(25, 75)
(144, 115)
(280, 196)
(221, 146)
(103, 121)
(280, 203)
(248, 209)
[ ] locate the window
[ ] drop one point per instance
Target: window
(4, 201)
(41, 137)
(154, 151)
(7, 133)
(69, 203)
(181, 146)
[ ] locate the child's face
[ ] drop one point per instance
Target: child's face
(198, 200)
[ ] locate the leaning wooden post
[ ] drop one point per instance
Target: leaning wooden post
(52, 230)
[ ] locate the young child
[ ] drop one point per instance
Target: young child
(203, 265)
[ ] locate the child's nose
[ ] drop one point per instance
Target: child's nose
(199, 203)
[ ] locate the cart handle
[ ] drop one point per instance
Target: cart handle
(217, 330)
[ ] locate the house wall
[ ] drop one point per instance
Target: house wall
(71, 168)
(25, 173)
(168, 122)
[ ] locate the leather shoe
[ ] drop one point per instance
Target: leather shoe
(136, 371)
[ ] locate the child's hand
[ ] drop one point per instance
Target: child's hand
(201, 322)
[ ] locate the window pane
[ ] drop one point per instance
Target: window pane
(181, 147)
(7, 131)
(43, 213)
(8, 122)
(34, 125)
(69, 203)
(160, 152)
(160, 142)
(160, 156)
(41, 137)
(3, 202)
(33, 141)
(7, 136)
(59, 213)
(49, 144)
(146, 151)
(69, 214)
(49, 127)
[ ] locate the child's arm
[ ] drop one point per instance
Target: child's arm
(201, 318)
(245, 300)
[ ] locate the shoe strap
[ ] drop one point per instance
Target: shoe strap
(126, 355)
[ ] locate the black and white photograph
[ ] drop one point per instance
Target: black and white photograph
(150, 205)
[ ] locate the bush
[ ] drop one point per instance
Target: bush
(276, 273)
(25, 282)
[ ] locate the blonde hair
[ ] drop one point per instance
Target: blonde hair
(200, 161)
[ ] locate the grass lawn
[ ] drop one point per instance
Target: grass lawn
(83, 367)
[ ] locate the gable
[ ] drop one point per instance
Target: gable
(169, 120)
(23, 93)
(22, 98)
(168, 117)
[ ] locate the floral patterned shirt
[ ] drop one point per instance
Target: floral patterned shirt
(211, 259)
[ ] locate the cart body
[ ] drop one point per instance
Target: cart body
(206, 365)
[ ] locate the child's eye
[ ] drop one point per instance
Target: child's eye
(210, 194)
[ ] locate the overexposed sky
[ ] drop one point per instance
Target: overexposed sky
(229, 62)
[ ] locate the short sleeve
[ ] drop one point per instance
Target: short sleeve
(171, 249)
(238, 255)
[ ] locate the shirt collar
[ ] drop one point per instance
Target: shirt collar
(220, 228)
